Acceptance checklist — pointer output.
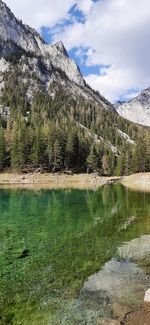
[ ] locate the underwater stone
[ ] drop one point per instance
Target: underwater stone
(25, 253)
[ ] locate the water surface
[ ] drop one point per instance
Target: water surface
(52, 240)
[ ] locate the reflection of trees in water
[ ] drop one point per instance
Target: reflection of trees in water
(70, 235)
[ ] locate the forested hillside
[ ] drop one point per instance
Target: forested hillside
(65, 133)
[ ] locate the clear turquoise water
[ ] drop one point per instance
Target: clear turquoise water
(67, 235)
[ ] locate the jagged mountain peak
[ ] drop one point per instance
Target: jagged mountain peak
(49, 62)
(144, 96)
(13, 31)
(137, 109)
(60, 46)
(15, 35)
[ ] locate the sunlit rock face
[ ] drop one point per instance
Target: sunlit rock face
(138, 109)
(50, 63)
(15, 34)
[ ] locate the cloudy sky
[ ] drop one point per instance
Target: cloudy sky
(109, 39)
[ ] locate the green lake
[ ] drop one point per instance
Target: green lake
(51, 241)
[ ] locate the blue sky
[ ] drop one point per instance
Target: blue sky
(75, 53)
(109, 39)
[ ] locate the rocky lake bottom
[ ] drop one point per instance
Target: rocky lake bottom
(73, 256)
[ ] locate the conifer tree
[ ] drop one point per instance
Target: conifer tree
(92, 160)
(18, 148)
(2, 149)
(57, 156)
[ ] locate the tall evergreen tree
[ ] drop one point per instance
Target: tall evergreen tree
(58, 162)
(18, 148)
(92, 160)
(2, 149)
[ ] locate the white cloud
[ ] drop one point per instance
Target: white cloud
(47, 12)
(132, 95)
(108, 82)
(85, 5)
(117, 33)
(41, 13)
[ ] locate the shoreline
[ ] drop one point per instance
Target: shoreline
(136, 182)
(52, 181)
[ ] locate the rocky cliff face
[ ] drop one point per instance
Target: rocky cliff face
(138, 109)
(14, 34)
(50, 63)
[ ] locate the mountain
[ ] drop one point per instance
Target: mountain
(50, 119)
(51, 63)
(137, 110)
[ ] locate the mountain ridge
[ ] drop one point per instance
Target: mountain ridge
(14, 32)
(18, 38)
(137, 109)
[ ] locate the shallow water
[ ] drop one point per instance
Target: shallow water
(52, 240)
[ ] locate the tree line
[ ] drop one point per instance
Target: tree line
(52, 134)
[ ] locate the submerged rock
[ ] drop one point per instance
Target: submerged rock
(25, 253)
(121, 281)
(137, 250)
(115, 291)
